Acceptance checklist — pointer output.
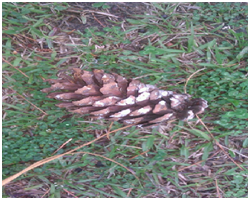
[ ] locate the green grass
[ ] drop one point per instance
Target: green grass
(162, 50)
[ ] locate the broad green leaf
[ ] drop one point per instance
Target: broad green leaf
(119, 191)
(150, 142)
(218, 55)
(238, 179)
(13, 30)
(31, 78)
(207, 149)
(184, 151)
(245, 143)
(208, 55)
(38, 23)
(84, 19)
(17, 61)
(161, 154)
(242, 53)
(52, 189)
(34, 187)
(207, 65)
(191, 39)
(61, 61)
(231, 153)
(12, 106)
(13, 22)
(198, 133)
(241, 113)
(53, 55)
(50, 43)
(209, 44)
(36, 32)
(37, 11)
(217, 28)
(97, 5)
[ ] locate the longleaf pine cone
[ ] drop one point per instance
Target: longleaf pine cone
(116, 98)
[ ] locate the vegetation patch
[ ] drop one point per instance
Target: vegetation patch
(198, 48)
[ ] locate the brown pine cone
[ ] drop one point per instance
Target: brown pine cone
(113, 97)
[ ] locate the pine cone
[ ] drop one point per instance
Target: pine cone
(113, 97)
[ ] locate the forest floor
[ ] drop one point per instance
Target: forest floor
(198, 48)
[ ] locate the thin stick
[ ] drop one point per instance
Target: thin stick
(101, 13)
(25, 37)
(97, 20)
(235, 152)
(70, 193)
(217, 188)
(62, 145)
(92, 11)
(45, 193)
(139, 155)
(130, 189)
(110, 129)
(15, 67)
(32, 104)
(185, 91)
(71, 31)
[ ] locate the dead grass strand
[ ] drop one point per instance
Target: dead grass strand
(138, 155)
(70, 193)
(217, 188)
(32, 104)
(62, 145)
(185, 86)
(15, 68)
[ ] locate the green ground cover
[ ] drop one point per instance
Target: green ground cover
(160, 43)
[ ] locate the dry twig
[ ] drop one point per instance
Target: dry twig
(70, 193)
(138, 155)
(15, 67)
(45, 193)
(97, 19)
(32, 104)
(185, 91)
(62, 145)
(217, 188)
